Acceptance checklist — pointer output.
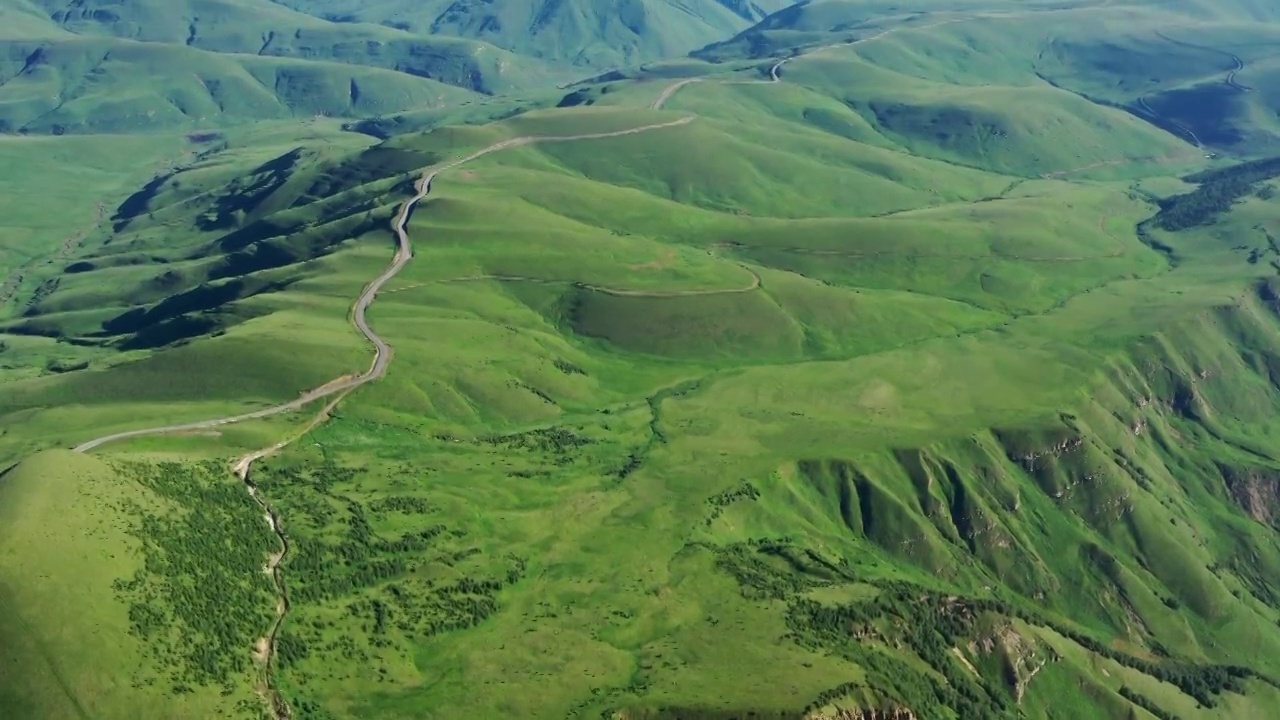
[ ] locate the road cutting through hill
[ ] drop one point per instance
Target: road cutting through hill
(404, 253)
(775, 70)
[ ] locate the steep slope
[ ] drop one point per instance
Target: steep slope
(1182, 67)
(93, 85)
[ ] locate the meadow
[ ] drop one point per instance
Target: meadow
(931, 378)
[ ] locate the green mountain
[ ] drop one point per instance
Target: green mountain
(76, 68)
(882, 360)
(1188, 67)
(141, 66)
(582, 32)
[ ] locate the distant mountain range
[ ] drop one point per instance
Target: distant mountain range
(593, 33)
(134, 65)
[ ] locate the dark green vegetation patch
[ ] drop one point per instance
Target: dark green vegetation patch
(202, 596)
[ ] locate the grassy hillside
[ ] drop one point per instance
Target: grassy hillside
(111, 637)
(141, 66)
(193, 89)
(212, 62)
(1056, 472)
(595, 34)
(934, 379)
(1179, 67)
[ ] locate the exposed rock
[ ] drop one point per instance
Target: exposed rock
(899, 713)
(1030, 460)
(1256, 491)
(1022, 658)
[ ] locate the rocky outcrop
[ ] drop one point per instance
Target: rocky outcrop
(1256, 491)
(899, 713)
(1022, 658)
(1062, 447)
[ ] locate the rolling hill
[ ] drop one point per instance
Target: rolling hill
(582, 32)
(75, 68)
(1181, 66)
(906, 360)
(149, 66)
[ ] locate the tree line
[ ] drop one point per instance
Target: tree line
(1218, 191)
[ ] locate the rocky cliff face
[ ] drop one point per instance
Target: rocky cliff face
(1256, 490)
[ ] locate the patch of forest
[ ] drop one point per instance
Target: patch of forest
(392, 588)
(201, 598)
(1218, 191)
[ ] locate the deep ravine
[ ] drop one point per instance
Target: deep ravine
(264, 650)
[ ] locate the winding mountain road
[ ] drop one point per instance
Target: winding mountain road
(404, 253)
(337, 389)
(404, 248)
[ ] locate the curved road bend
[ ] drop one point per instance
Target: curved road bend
(404, 253)
(775, 70)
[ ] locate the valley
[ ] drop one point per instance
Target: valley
(839, 360)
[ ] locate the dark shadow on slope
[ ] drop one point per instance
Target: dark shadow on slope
(138, 203)
(295, 247)
(247, 194)
(203, 298)
(255, 232)
(1204, 114)
(168, 332)
(374, 164)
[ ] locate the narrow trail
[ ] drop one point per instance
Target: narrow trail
(1166, 160)
(775, 70)
(1229, 80)
(617, 292)
(265, 647)
(1151, 113)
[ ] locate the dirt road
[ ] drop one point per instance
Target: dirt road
(264, 649)
(404, 253)
(404, 249)
(775, 70)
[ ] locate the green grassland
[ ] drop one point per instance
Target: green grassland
(931, 378)
(90, 85)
